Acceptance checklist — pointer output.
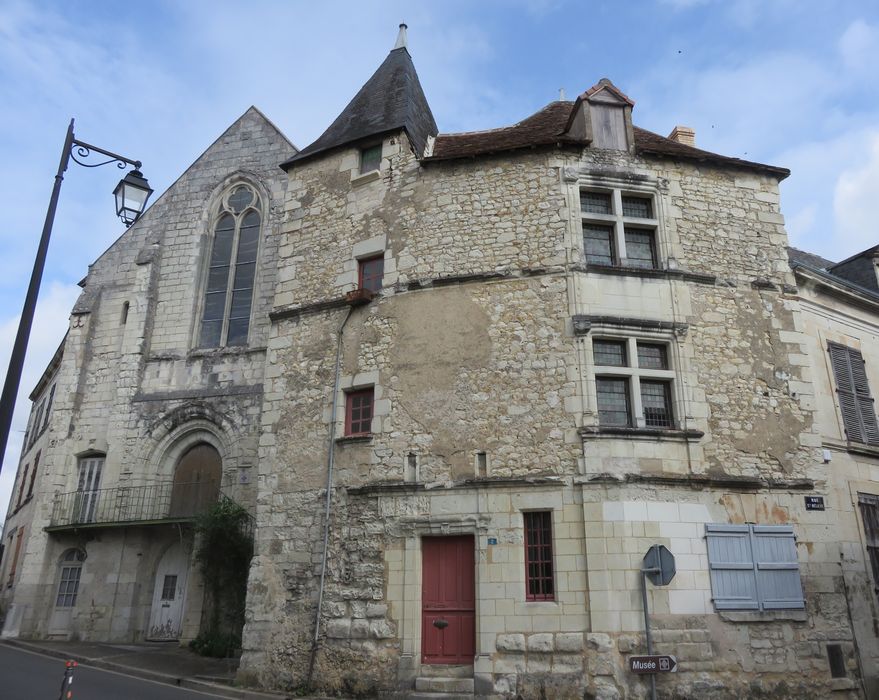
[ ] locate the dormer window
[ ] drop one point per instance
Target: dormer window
(370, 158)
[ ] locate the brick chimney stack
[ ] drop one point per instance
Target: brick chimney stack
(684, 135)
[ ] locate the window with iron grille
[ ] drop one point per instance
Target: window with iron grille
(754, 567)
(358, 412)
(539, 576)
(619, 229)
(869, 507)
(632, 393)
(231, 271)
(370, 272)
(853, 392)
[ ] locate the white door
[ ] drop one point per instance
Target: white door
(170, 586)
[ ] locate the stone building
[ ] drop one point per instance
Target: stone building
(155, 405)
(481, 375)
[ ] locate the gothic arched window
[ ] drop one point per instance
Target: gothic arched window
(229, 288)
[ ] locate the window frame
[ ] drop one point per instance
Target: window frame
(362, 277)
(350, 397)
(634, 374)
(621, 224)
(755, 571)
(546, 552)
(224, 209)
(868, 507)
(376, 147)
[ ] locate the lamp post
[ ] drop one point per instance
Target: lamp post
(131, 195)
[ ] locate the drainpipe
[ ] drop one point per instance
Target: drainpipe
(331, 458)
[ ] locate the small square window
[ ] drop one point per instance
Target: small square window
(539, 576)
(358, 412)
(370, 158)
(598, 241)
(652, 356)
(370, 272)
(640, 248)
(609, 353)
(169, 587)
(595, 203)
(613, 401)
(656, 402)
(637, 207)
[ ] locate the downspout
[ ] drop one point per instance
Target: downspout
(331, 458)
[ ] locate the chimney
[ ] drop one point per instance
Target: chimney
(684, 135)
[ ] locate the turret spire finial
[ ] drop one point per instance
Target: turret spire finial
(401, 38)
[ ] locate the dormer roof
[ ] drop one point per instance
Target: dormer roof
(391, 100)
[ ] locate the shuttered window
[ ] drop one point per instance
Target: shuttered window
(855, 402)
(754, 567)
(869, 506)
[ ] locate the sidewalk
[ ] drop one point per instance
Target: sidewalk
(161, 662)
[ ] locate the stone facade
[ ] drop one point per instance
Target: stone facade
(481, 355)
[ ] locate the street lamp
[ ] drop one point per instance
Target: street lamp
(131, 195)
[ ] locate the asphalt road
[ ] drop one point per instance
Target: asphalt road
(25, 675)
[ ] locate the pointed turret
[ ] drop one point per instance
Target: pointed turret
(392, 99)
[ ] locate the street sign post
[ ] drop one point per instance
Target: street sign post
(659, 566)
(655, 663)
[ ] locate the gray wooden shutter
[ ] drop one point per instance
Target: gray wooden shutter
(853, 390)
(778, 569)
(863, 400)
(731, 567)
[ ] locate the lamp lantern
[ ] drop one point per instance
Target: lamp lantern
(132, 194)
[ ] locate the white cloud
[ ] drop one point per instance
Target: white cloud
(854, 201)
(859, 45)
(50, 324)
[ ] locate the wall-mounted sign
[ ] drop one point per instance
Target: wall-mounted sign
(655, 663)
(492, 540)
(814, 502)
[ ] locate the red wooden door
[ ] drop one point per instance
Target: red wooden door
(448, 600)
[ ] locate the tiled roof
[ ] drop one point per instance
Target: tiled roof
(547, 127)
(391, 99)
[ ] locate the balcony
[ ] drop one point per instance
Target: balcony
(151, 504)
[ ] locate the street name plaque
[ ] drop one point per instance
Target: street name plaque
(655, 663)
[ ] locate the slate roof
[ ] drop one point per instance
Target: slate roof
(547, 128)
(797, 256)
(392, 99)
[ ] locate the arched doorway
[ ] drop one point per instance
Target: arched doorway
(196, 481)
(69, 574)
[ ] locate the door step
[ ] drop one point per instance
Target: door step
(439, 696)
(446, 671)
(437, 684)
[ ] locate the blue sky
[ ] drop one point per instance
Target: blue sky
(791, 83)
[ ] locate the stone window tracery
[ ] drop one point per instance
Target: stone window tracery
(619, 229)
(228, 297)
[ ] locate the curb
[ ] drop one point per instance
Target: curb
(156, 676)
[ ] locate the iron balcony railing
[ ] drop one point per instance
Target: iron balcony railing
(148, 503)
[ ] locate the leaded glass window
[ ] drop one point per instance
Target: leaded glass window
(231, 271)
(619, 229)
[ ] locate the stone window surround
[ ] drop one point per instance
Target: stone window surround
(217, 206)
(631, 335)
(642, 185)
(381, 406)
(868, 488)
(370, 248)
(352, 161)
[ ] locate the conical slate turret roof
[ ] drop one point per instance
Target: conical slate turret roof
(392, 99)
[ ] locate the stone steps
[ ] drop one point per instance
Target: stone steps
(439, 696)
(446, 670)
(444, 685)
